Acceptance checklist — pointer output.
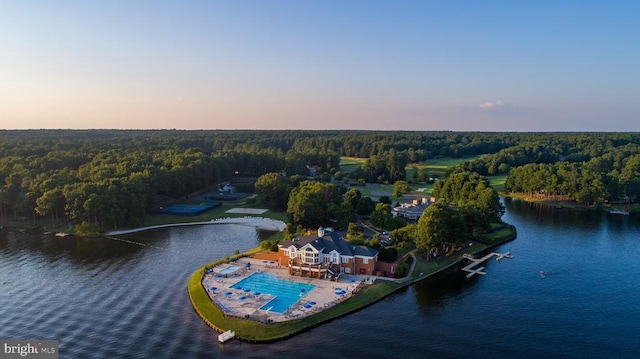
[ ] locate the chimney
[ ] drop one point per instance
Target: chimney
(320, 232)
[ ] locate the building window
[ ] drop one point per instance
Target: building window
(311, 258)
(365, 260)
(345, 260)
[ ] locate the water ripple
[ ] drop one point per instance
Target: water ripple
(111, 299)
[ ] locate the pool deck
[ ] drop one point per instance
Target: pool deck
(324, 293)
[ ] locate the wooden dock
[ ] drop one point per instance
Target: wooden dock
(471, 267)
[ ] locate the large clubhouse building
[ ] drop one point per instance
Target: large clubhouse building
(326, 255)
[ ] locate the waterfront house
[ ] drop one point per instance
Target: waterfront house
(412, 211)
(326, 255)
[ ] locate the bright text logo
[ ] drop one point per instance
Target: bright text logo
(45, 349)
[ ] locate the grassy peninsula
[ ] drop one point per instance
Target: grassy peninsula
(252, 331)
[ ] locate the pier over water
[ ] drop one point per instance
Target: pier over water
(471, 267)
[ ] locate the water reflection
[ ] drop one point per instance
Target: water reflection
(436, 291)
(105, 298)
(550, 216)
(78, 250)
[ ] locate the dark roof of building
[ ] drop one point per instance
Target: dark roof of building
(329, 242)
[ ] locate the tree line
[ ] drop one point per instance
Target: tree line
(613, 177)
(112, 178)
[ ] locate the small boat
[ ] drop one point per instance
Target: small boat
(543, 274)
(619, 211)
(62, 234)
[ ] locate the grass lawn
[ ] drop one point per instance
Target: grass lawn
(497, 182)
(377, 190)
(421, 189)
(431, 267)
(349, 164)
(408, 247)
(218, 212)
(444, 162)
(435, 167)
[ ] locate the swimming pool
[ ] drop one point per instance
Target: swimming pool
(286, 292)
(228, 270)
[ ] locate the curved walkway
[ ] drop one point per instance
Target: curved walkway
(409, 273)
(258, 222)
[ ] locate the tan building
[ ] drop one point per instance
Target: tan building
(412, 211)
(326, 255)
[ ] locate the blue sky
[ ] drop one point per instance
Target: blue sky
(389, 65)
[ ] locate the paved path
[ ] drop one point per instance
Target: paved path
(409, 274)
(258, 222)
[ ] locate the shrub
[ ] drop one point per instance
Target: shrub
(374, 242)
(402, 270)
(86, 229)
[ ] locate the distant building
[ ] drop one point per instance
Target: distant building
(226, 188)
(326, 255)
(313, 171)
(412, 211)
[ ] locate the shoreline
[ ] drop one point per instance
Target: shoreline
(255, 332)
(262, 223)
(631, 208)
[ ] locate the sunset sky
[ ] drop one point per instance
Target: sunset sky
(387, 65)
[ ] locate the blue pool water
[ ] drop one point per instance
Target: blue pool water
(286, 292)
(229, 269)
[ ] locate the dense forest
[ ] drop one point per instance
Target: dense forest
(113, 178)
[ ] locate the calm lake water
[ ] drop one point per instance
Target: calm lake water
(103, 298)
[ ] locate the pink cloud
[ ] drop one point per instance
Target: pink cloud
(491, 105)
